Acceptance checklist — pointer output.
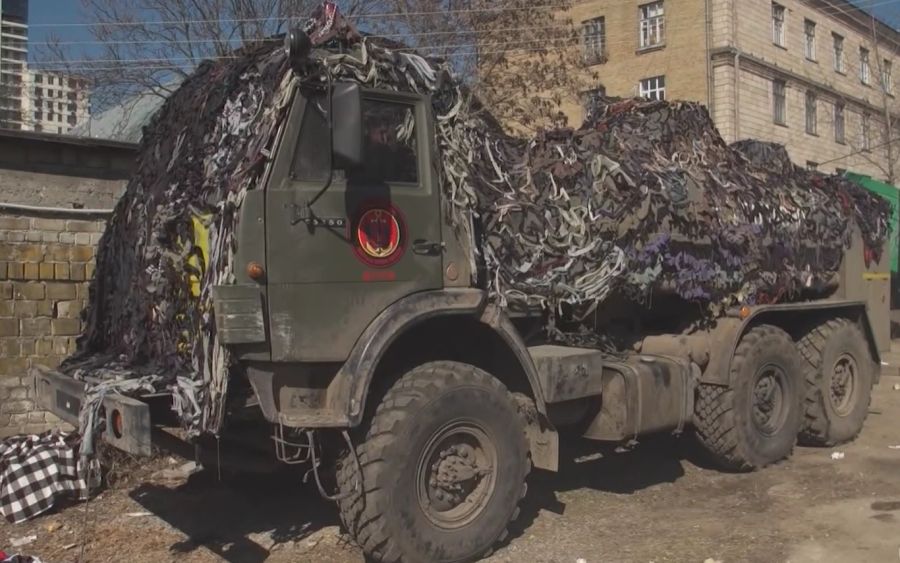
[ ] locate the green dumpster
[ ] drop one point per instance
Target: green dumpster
(891, 194)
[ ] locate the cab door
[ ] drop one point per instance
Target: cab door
(336, 258)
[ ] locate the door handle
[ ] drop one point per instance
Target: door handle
(427, 247)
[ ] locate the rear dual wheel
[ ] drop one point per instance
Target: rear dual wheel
(839, 378)
(754, 421)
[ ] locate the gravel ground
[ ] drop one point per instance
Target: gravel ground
(657, 503)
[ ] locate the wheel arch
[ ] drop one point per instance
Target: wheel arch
(451, 324)
(793, 318)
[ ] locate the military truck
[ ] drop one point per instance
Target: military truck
(379, 352)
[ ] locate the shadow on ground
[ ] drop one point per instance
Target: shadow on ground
(255, 504)
(241, 517)
(583, 464)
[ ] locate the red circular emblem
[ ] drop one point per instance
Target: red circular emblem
(379, 237)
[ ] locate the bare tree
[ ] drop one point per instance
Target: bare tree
(515, 54)
(886, 51)
(529, 63)
(142, 46)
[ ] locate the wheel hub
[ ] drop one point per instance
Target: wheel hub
(768, 400)
(842, 390)
(456, 475)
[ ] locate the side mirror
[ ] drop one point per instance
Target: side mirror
(298, 46)
(347, 130)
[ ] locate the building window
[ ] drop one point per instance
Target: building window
(591, 98)
(863, 65)
(779, 111)
(653, 25)
(778, 24)
(653, 88)
(39, 78)
(838, 53)
(809, 30)
(39, 92)
(812, 117)
(839, 123)
(594, 32)
(865, 141)
(812, 166)
(887, 78)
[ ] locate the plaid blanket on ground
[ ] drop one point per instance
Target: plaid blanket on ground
(34, 470)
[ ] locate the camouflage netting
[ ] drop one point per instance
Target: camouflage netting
(645, 197)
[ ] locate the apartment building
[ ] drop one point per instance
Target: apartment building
(805, 73)
(33, 100)
(55, 102)
(13, 58)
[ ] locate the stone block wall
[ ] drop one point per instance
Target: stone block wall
(46, 263)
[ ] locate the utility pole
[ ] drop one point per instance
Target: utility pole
(889, 146)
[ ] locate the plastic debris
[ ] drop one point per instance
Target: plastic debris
(183, 471)
(837, 455)
(896, 386)
(897, 447)
(23, 541)
(644, 200)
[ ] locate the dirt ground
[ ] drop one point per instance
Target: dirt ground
(657, 503)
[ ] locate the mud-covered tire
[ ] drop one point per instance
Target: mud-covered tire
(733, 423)
(387, 514)
(839, 376)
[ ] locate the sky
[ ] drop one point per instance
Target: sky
(45, 13)
(48, 12)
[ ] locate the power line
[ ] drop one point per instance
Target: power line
(269, 38)
(860, 151)
(276, 18)
(572, 37)
(838, 11)
(834, 11)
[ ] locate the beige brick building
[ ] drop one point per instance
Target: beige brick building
(805, 73)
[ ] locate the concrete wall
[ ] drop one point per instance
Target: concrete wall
(59, 171)
(47, 258)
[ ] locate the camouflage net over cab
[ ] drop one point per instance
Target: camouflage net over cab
(645, 197)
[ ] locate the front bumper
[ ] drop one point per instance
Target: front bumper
(127, 425)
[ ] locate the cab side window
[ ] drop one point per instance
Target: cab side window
(389, 144)
(390, 150)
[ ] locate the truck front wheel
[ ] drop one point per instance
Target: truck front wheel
(443, 463)
(754, 421)
(840, 374)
